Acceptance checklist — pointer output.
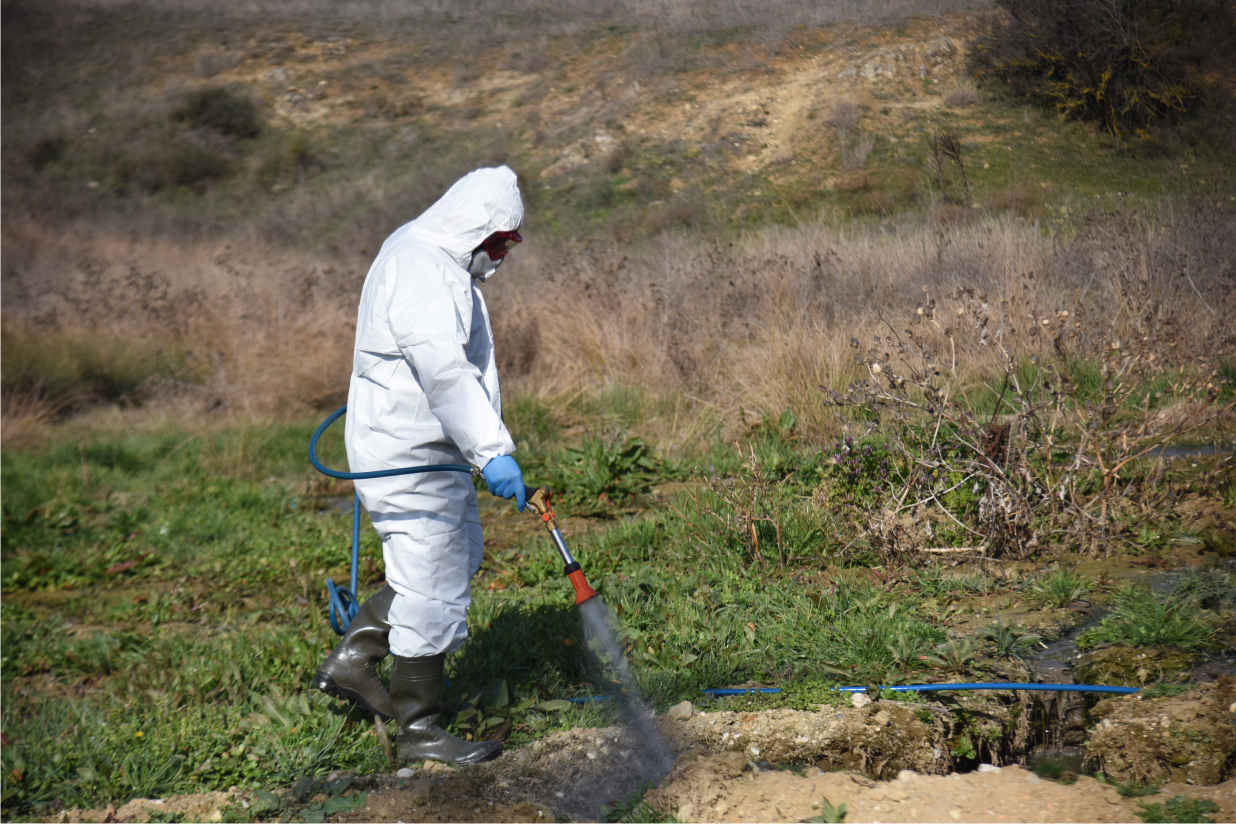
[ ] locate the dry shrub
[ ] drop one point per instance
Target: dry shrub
(26, 419)
(961, 95)
(844, 116)
(1125, 66)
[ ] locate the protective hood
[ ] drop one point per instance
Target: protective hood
(479, 204)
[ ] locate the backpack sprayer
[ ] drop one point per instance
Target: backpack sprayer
(343, 601)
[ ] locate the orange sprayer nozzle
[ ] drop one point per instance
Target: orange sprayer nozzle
(582, 591)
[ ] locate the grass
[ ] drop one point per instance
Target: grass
(163, 612)
(1180, 808)
(1139, 618)
(1059, 588)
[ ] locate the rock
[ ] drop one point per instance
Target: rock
(1185, 738)
(907, 775)
(216, 815)
(954, 814)
(859, 699)
(988, 768)
(896, 794)
(681, 712)
(940, 49)
(882, 718)
(405, 772)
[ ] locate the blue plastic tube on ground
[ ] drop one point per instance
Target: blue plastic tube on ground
(995, 685)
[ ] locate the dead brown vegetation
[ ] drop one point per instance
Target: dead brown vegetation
(760, 323)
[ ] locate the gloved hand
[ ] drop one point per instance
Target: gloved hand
(505, 480)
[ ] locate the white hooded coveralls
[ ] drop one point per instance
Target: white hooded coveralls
(424, 390)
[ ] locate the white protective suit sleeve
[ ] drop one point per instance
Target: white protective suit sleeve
(431, 318)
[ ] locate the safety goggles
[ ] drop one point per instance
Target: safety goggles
(499, 243)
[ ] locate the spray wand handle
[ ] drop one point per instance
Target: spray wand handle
(539, 499)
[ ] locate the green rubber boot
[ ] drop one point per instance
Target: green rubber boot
(416, 684)
(351, 671)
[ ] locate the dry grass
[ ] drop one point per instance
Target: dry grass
(758, 325)
(963, 94)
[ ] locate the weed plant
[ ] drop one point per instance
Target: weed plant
(1059, 588)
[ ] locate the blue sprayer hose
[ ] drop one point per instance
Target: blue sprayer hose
(343, 602)
(990, 685)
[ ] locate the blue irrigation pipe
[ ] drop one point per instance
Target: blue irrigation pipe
(990, 685)
(343, 601)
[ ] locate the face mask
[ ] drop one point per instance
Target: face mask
(490, 254)
(482, 265)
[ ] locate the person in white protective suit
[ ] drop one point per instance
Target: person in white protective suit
(424, 391)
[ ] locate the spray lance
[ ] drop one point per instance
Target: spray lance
(539, 499)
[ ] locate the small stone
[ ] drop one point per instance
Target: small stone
(681, 712)
(896, 794)
(686, 812)
(559, 794)
(907, 775)
(755, 751)
(591, 756)
(882, 718)
(216, 815)
(859, 700)
(1033, 779)
(988, 768)
(954, 814)
(405, 772)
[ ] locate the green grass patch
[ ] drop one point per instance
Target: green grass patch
(1139, 618)
(1178, 810)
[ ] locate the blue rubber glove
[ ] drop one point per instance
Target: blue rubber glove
(505, 480)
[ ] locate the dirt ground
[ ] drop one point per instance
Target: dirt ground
(570, 775)
(714, 789)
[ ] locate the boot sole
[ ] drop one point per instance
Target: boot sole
(326, 684)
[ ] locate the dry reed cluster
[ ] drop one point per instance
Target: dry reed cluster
(755, 325)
